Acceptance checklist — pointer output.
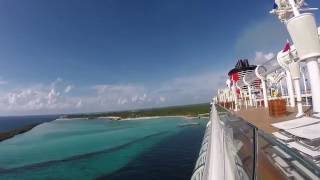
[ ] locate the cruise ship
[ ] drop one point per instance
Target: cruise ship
(265, 122)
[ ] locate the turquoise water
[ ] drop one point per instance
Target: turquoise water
(82, 149)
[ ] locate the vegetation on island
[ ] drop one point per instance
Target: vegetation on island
(193, 110)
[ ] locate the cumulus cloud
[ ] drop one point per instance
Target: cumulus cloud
(190, 89)
(182, 90)
(79, 103)
(36, 99)
(261, 57)
(109, 94)
(162, 99)
(56, 82)
(68, 88)
(56, 97)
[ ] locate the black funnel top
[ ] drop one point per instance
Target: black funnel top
(242, 65)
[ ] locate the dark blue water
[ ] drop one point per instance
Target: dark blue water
(172, 159)
(14, 122)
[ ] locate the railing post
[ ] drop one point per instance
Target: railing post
(255, 149)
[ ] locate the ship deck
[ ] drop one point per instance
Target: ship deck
(260, 118)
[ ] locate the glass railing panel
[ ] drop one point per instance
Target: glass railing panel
(241, 134)
(267, 168)
(276, 160)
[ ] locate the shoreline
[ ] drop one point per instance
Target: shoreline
(157, 117)
(9, 134)
(116, 118)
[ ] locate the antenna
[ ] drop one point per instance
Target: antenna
(286, 9)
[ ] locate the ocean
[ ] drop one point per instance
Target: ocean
(13, 122)
(102, 149)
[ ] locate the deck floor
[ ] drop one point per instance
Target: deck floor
(260, 117)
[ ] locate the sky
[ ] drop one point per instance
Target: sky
(76, 56)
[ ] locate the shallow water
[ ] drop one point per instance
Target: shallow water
(89, 149)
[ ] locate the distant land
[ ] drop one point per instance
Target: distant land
(193, 110)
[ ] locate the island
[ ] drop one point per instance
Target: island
(188, 111)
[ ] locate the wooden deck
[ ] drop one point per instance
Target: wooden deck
(260, 118)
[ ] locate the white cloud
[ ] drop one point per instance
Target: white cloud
(162, 99)
(261, 57)
(182, 90)
(122, 101)
(68, 88)
(79, 103)
(191, 89)
(36, 99)
(52, 98)
(56, 82)
(119, 96)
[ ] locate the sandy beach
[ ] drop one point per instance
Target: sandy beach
(130, 119)
(157, 117)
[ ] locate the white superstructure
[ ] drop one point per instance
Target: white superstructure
(235, 149)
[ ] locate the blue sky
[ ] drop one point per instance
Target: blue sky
(86, 56)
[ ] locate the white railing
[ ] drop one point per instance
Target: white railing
(201, 163)
(214, 161)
